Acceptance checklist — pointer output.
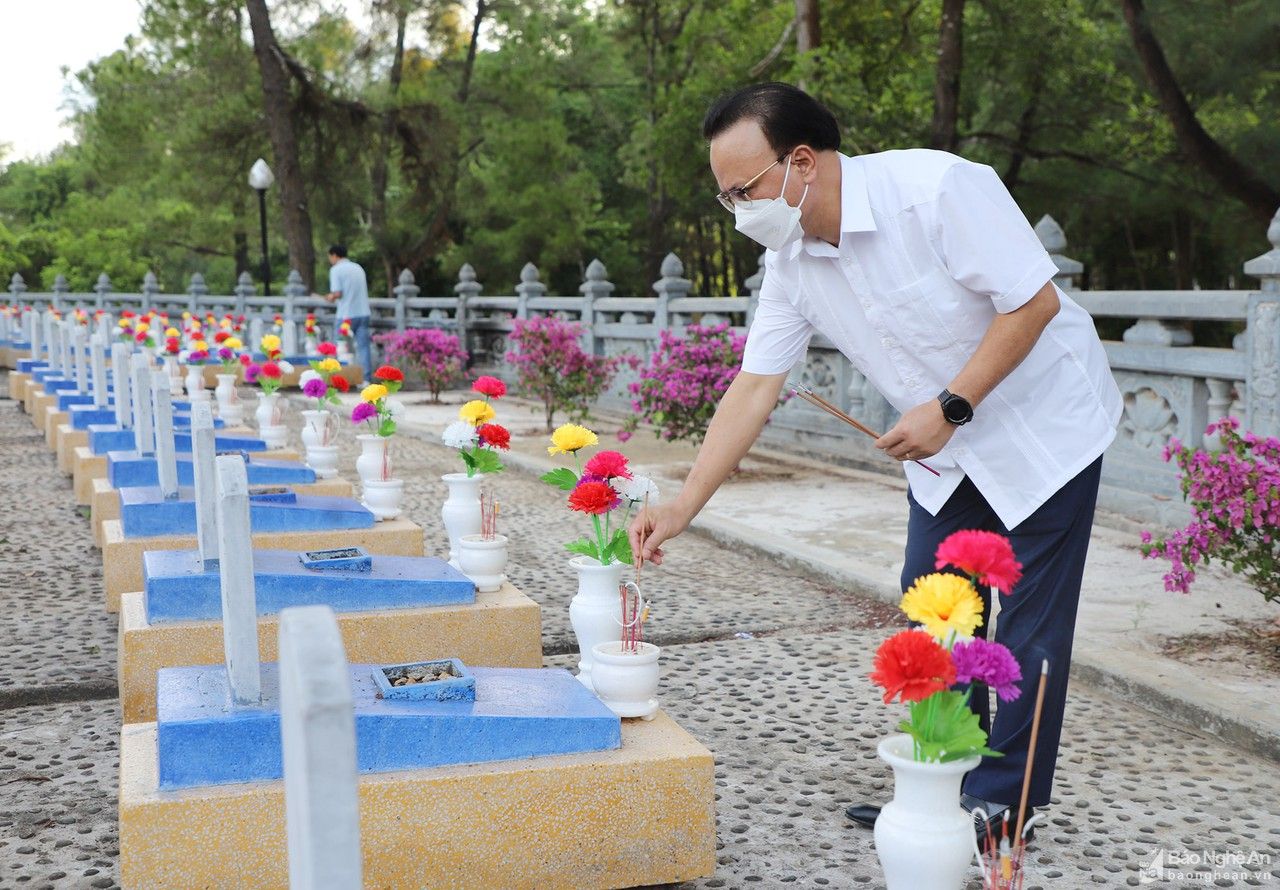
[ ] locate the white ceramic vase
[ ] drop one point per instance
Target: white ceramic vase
(626, 681)
(461, 510)
(309, 345)
(229, 407)
(195, 379)
(174, 370)
(484, 562)
(382, 497)
(317, 428)
(923, 837)
(323, 459)
(374, 462)
(344, 354)
(595, 610)
(269, 415)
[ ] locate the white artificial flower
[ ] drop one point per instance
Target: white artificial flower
(396, 407)
(308, 374)
(183, 355)
(635, 489)
(285, 367)
(460, 434)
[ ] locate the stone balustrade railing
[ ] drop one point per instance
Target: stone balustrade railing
(1171, 386)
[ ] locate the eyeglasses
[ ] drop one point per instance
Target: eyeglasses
(729, 197)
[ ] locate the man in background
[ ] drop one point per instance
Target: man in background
(349, 288)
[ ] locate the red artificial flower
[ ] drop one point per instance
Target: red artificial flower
(141, 337)
(386, 372)
(913, 666)
(173, 345)
(271, 369)
(127, 314)
(490, 386)
(608, 465)
(327, 349)
(494, 435)
(986, 556)
(592, 497)
(221, 336)
(245, 359)
(339, 383)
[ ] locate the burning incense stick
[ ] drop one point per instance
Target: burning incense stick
(819, 402)
(1031, 751)
(635, 611)
(488, 516)
(638, 557)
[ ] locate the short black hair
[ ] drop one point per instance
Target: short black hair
(788, 115)
(339, 249)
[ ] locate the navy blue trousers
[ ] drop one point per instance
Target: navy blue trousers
(1036, 622)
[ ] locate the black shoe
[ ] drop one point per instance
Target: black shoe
(863, 814)
(996, 822)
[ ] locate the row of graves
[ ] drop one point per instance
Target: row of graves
(309, 698)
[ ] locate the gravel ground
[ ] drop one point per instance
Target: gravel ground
(768, 670)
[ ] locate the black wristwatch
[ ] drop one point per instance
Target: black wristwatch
(956, 409)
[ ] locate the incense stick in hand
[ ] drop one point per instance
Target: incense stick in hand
(819, 402)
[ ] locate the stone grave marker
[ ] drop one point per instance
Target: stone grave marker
(239, 611)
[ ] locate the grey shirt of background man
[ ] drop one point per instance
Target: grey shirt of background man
(348, 279)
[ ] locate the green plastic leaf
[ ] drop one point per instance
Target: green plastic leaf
(486, 461)
(562, 478)
(585, 547)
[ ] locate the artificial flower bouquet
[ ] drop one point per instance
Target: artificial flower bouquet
(323, 382)
(228, 351)
(474, 434)
(375, 407)
(919, 666)
(599, 488)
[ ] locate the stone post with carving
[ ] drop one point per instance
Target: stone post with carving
(597, 286)
(1263, 385)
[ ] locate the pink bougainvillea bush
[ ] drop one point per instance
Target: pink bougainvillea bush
(434, 356)
(1234, 495)
(554, 369)
(682, 384)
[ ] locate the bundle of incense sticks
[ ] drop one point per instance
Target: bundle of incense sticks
(634, 613)
(819, 402)
(488, 516)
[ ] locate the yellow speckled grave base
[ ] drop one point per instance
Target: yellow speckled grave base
(644, 814)
(501, 629)
(53, 418)
(104, 501)
(87, 466)
(18, 385)
(7, 359)
(122, 557)
(66, 441)
(36, 401)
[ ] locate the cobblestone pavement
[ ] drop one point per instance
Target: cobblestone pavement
(768, 670)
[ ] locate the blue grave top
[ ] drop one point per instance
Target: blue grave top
(145, 512)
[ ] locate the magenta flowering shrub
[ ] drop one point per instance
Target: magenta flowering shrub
(679, 389)
(553, 367)
(1234, 495)
(434, 356)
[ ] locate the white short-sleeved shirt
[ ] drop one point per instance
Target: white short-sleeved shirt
(347, 278)
(931, 247)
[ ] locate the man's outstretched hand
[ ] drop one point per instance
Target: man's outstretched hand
(656, 525)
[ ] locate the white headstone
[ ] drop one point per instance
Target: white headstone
(120, 383)
(105, 326)
(255, 333)
(289, 339)
(203, 454)
(318, 738)
(140, 385)
(166, 457)
(47, 330)
(239, 608)
(34, 332)
(78, 338)
(64, 348)
(98, 366)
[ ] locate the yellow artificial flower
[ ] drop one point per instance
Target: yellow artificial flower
(570, 438)
(476, 412)
(142, 326)
(200, 346)
(330, 365)
(171, 332)
(122, 323)
(225, 323)
(943, 603)
(373, 392)
(232, 343)
(270, 343)
(186, 316)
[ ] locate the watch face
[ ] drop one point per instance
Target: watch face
(957, 410)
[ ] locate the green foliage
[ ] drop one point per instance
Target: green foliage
(945, 729)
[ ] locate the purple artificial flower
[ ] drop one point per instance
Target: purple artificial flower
(226, 354)
(363, 412)
(251, 373)
(315, 388)
(981, 661)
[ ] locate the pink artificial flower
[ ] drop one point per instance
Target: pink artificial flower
(608, 465)
(985, 555)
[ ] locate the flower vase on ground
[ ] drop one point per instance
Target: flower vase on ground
(595, 610)
(230, 410)
(923, 837)
(195, 379)
(317, 439)
(174, 370)
(270, 417)
(626, 681)
(381, 494)
(484, 560)
(461, 510)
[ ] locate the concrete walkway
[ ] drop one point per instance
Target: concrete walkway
(848, 527)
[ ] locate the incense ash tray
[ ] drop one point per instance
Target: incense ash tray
(272, 494)
(344, 559)
(442, 680)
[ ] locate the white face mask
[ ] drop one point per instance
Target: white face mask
(770, 222)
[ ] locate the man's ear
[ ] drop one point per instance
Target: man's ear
(804, 161)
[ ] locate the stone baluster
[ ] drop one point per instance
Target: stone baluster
(529, 288)
(318, 741)
(404, 291)
(150, 288)
(17, 287)
(671, 286)
(245, 288)
(1055, 241)
(294, 290)
(1219, 406)
(466, 289)
(1264, 338)
(102, 289)
(60, 291)
(197, 290)
(597, 286)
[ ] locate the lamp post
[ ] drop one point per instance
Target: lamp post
(260, 178)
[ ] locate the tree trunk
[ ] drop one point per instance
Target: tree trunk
(808, 27)
(241, 241)
(946, 86)
(1195, 143)
(381, 160)
(284, 142)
